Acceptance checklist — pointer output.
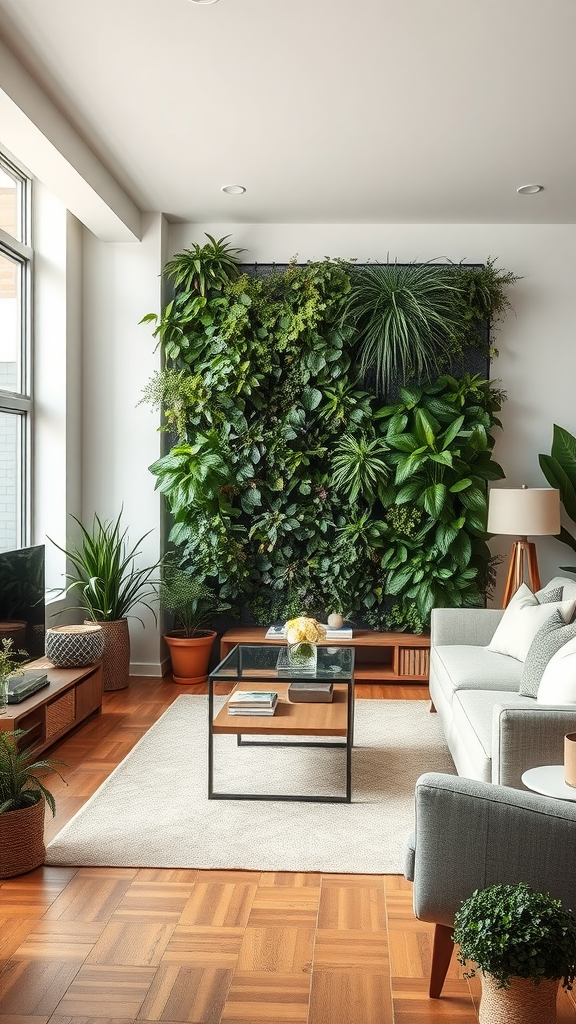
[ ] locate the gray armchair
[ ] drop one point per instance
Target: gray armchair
(470, 835)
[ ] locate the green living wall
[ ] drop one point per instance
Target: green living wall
(323, 457)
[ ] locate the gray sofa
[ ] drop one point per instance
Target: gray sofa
(493, 733)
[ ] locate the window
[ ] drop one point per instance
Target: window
(15, 348)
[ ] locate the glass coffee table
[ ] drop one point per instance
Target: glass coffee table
(257, 667)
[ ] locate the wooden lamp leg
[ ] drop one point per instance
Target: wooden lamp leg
(533, 574)
(523, 553)
(441, 956)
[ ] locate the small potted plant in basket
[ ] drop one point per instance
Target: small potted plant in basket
(524, 944)
(193, 604)
(22, 803)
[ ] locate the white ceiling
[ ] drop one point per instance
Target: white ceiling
(327, 111)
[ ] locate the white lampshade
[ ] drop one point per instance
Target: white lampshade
(524, 511)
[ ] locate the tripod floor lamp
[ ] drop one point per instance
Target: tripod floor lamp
(523, 512)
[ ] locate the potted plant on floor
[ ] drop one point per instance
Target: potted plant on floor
(23, 797)
(193, 604)
(524, 943)
(108, 585)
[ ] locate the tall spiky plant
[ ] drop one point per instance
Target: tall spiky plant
(404, 316)
(105, 576)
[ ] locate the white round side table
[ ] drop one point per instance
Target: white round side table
(549, 781)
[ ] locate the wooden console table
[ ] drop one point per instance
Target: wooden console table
(72, 695)
(380, 657)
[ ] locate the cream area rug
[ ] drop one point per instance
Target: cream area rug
(153, 810)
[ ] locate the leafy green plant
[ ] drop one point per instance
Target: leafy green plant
(358, 467)
(512, 931)
(559, 468)
(203, 267)
(20, 785)
(104, 577)
(287, 485)
(191, 602)
(440, 439)
(412, 319)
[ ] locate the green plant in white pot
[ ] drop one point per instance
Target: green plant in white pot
(524, 944)
(193, 605)
(108, 584)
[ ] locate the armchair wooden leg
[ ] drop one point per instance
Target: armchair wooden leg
(441, 956)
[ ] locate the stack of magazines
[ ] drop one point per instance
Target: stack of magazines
(252, 702)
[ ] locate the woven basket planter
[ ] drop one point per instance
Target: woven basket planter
(116, 654)
(74, 646)
(522, 1002)
(22, 840)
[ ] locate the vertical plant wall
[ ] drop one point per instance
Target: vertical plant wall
(315, 464)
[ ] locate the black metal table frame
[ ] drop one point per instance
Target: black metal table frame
(321, 798)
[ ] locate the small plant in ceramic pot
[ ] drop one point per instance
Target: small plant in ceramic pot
(524, 943)
(193, 604)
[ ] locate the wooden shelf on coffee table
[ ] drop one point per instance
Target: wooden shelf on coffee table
(380, 657)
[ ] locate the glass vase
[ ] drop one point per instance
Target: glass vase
(303, 656)
(3, 694)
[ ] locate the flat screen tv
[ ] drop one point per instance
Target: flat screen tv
(22, 600)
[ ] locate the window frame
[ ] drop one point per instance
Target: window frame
(21, 402)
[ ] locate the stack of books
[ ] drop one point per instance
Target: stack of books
(252, 702)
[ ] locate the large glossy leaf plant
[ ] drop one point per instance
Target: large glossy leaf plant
(293, 486)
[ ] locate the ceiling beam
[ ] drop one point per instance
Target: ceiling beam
(38, 134)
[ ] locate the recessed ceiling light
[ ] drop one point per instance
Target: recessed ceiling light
(529, 190)
(233, 190)
(204, 1)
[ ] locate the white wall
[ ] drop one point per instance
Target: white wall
(121, 283)
(537, 361)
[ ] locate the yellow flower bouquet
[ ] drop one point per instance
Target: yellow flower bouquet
(302, 635)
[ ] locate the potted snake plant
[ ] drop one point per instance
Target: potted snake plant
(108, 585)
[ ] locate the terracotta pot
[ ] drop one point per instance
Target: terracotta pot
(190, 655)
(116, 655)
(522, 1002)
(22, 840)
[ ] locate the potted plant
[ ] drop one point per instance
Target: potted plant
(10, 664)
(524, 943)
(108, 585)
(23, 797)
(193, 604)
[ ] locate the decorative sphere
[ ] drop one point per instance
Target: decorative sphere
(335, 620)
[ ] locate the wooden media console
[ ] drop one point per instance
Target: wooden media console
(72, 695)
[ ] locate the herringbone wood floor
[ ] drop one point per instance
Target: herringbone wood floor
(115, 946)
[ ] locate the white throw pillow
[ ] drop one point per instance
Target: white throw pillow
(522, 620)
(558, 683)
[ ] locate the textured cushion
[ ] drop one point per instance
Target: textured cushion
(547, 595)
(552, 635)
(558, 684)
(522, 620)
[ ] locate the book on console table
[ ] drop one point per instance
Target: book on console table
(277, 632)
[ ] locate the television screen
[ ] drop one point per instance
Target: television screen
(22, 600)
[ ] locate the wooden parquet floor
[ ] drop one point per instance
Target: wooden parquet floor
(116, 945)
